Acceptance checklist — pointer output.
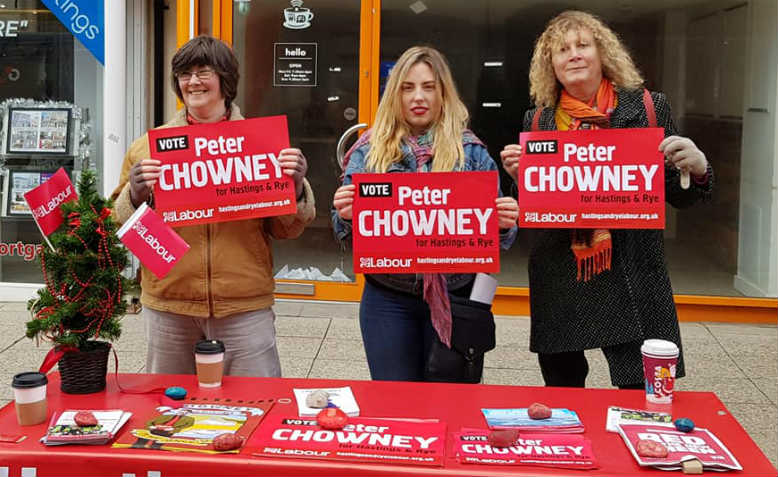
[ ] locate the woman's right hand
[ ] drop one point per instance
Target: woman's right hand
(143, 176)
(510, 156)
(343, 200)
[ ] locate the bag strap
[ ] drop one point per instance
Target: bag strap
(648, 103)
(536, 119)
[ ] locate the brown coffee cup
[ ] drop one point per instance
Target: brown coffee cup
(209, 360)
(30, 398)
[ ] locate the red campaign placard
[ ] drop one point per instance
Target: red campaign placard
(361, 440)
(700, 444)
(155, 243)
(604, 178)
(442, 222)
(222, 171)
(44, 201)
(571, 451)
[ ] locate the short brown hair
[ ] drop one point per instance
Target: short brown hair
(206, 50)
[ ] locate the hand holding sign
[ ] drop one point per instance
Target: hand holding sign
(343, 200)
(293, 163)
(143, 176)
(510, 156)
(507, 211)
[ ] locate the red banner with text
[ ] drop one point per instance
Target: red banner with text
(222, 171)
(604, 178)
(44, 201)
(361, 440)
(440, 222)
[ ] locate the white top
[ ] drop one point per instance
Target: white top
(659, 348)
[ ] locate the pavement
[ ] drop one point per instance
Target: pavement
(739, 362)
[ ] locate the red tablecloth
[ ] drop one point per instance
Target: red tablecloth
(457, 405)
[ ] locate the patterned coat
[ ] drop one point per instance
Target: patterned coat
(629, 303)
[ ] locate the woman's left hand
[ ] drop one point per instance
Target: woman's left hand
(684, 155)
(293, 163)
(507, 211)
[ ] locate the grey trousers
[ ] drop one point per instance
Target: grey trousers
(249, 340)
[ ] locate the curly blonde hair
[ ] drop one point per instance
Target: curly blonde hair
(617, 65)
(390, 126)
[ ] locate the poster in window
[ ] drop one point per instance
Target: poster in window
(38, 131)
(19, 183)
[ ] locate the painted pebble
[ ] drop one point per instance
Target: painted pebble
(502, 437)
(317, 399)
(649, 448)
(539, 411)
(332, 418)
(684, 424)
(85, 419)
(227, 442)
(175, 392)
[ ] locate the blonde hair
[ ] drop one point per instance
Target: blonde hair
(617, 65)
(390, 126)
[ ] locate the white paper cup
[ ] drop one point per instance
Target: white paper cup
(209, 360)
(660, 359)
(30, 398)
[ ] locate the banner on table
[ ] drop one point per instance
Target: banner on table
(605, 178)
(361, 440)
(431, 222)
(44, 201)
(156, 244)
(222, 171)
(564, 450)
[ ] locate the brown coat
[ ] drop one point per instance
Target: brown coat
(229, 267)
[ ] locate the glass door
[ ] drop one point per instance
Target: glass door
(302, 60)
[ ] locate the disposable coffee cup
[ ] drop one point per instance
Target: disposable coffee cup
(660, 359)
(30, 398)
(209, 359)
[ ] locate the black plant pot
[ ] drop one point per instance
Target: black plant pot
(83, 371)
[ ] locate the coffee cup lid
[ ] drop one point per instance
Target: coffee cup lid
(209, 347)
(660, 347)
(31, 379)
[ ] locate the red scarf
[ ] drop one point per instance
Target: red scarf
(192, 121)
(593, 249)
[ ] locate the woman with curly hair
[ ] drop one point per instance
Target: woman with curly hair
(420, 126)
(582, 77)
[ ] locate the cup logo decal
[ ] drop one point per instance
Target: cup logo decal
(664, 381)
(297, 17)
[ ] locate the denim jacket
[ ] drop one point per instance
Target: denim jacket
(476, 159)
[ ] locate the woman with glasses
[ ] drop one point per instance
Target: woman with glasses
(223, 287)
(420, 126)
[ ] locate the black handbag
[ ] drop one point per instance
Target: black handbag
(472, 335)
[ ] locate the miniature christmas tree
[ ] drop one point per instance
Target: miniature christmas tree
(82, 299)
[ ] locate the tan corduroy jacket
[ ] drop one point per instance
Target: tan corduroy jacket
(229, 267)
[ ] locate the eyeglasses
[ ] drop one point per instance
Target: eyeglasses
(202, 75)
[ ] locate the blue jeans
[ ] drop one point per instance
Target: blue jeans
(397, 333)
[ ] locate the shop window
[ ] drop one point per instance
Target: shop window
(50, 92)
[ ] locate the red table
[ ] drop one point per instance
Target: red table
(456, 404)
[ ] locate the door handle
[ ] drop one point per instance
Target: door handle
(339, 152)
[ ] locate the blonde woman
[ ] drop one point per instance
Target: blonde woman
(420, 126)
(581, 77)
